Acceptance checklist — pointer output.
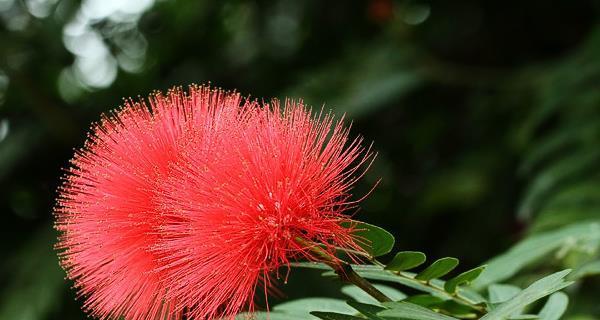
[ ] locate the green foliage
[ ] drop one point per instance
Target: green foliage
(505, 302)
(362, 297)
(588, 269)
(368, 310)
(451, 299)
(555, 307)
(406, 310)
(535, 291)
(499, 293)
(333, 316)
(299, 309)
(538, 246)
(487, 138)
(374, 240)
(464, 278)
(406, 260)
(437, 269)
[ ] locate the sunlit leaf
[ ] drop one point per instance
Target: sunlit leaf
(589, 269)
(499, 293)
(555, 307)
(524, 317)
(535, 291)
(533, 249)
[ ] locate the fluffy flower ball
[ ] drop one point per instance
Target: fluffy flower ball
(190, 203)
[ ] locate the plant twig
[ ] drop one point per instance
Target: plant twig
(454, 296)
(345, 271)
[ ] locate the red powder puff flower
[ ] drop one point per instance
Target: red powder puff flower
(107, 211)
(240, 197)
(191, 205)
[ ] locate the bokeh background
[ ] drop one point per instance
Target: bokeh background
(485, 114)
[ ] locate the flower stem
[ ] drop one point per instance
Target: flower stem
(454, 296)
(344, 271)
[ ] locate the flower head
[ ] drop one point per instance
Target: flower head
(191, 205)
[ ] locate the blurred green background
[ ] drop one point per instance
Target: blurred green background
(485, 114)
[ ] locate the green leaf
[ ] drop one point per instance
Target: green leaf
(524, 317)
(552, 143)
(555, 307)
(384, 275)
(406, 310)
(374, 240)
(359, 295)
(465, 293)
(499, 293)
(368, 310)
(299, 309)
(333, 316)
(574, 166)
(406, 260)
(434, 287)
(588, 269)
(463, 278)
(425, 300)
(437, 269)
(303, 306)
(533, 249)
(535, 291)
(273, 315)
(458, 310)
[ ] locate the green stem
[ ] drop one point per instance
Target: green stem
(345, 271)
(454, 297)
